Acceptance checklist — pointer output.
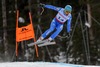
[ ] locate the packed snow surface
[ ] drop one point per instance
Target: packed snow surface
(40, 64)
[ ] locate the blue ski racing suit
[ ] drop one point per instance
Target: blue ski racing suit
(57, 22)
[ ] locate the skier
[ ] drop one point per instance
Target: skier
(63, 15)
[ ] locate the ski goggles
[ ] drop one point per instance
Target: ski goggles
(67, 12)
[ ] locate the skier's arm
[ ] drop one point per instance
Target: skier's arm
(69, 25)
(52, 7)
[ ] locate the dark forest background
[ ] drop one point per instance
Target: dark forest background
(83, 47)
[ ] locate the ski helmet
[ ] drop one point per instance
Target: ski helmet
(68, 8)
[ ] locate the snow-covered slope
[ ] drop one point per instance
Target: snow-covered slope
(39, 64)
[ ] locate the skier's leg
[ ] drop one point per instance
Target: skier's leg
(59, 29)
(47, 32)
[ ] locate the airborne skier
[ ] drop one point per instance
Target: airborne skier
(63, 15)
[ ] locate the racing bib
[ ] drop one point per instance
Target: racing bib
(61, 17)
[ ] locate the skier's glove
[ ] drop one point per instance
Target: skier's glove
(42, 5)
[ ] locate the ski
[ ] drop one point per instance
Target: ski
(46, 44)
(40, 42)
